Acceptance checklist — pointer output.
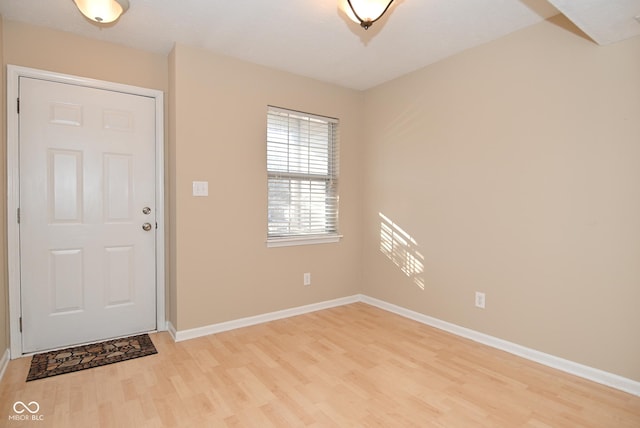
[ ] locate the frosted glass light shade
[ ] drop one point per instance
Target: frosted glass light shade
(366, 12)
(102, 11)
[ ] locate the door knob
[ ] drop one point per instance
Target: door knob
(146, 227)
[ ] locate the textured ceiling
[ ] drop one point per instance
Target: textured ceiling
(313, 37)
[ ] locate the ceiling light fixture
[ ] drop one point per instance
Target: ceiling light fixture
(366, 12)
(102, 11)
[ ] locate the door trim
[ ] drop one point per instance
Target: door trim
(13, 188)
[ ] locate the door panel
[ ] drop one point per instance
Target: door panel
(64, 168)
(87, 170)
(66, 280)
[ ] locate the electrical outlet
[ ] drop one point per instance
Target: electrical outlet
(480, 300)
(307, 279)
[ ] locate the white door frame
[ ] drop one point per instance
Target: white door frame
(13, 188)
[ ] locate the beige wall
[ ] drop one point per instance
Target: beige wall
(221, 266)
(4, 313)
(515, 167)
(42, 48)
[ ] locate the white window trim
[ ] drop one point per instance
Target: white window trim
(302, 240)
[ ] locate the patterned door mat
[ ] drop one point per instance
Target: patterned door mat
(78, 358)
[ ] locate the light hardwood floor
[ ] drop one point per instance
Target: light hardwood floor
(350, 366)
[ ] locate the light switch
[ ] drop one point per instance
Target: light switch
(200, 188)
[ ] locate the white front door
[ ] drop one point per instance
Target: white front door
(87, 188)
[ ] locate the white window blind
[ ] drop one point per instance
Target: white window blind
(302, 168)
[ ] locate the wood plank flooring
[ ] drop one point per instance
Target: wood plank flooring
(351, 366)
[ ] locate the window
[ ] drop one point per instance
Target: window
(302, 169)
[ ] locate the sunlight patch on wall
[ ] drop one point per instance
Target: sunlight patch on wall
(402, 250)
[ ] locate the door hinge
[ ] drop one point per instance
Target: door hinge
(18, 215)
(20, 324)
(18, 105)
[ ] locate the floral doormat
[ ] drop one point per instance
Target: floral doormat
(88, 356)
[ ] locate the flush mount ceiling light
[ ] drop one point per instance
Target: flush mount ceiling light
(366, 12)
(102, 11)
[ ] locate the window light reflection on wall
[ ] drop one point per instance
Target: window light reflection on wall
(402, 250)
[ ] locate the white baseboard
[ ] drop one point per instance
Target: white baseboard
(4, 362)
(586, 372)
(179, 336)
(172, 330)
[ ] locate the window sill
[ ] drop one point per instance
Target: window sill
(302, 240)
